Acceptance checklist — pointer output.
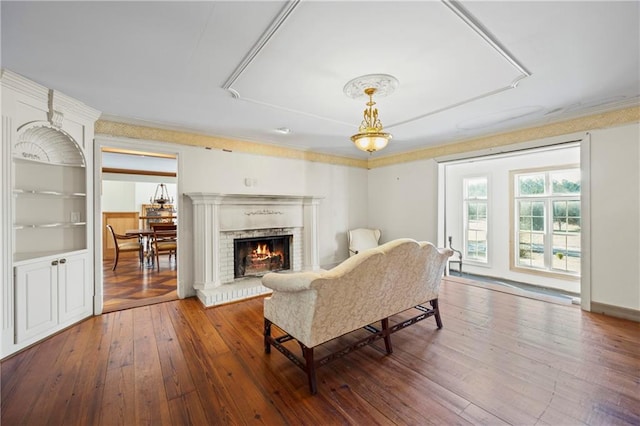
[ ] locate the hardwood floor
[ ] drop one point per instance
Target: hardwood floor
(130, 285)
(500, 359)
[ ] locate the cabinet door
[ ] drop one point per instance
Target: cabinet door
(36, 299)
(75, 289)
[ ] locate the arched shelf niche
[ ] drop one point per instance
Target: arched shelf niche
(42, 142)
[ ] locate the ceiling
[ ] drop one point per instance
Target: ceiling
(243, 69)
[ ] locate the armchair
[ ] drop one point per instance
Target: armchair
(362, 239)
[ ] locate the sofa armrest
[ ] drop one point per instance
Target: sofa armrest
(290, 282)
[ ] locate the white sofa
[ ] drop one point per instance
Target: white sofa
(315, 307)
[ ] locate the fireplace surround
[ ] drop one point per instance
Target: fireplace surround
(218, 219)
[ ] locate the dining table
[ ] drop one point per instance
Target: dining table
(145, 235)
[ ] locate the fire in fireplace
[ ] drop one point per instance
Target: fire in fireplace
(259, 255)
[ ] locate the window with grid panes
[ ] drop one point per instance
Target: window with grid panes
(476, 219)
(547, 220)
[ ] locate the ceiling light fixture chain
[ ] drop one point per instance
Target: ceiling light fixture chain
(371, 122)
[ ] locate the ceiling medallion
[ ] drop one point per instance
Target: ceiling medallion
(370, 136)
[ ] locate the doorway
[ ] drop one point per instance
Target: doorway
(516, 218)
(138, 190)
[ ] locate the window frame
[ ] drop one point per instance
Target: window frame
(465, 219)
(548, 199)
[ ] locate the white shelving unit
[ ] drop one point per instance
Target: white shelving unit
(47, 213)
(50, 202)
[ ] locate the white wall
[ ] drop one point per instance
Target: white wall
(615, 212)
(403, 200)
(128, 196)
(344, 191)
(343, 188)
(497, 171)
(118, 196)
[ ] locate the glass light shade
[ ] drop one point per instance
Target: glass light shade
(371, 142)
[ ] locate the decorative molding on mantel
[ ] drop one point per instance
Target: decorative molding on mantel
(257, 199)
(214, 213)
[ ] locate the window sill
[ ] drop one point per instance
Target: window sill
(543, 273)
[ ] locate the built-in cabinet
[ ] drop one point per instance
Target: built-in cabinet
(47, 249)
(51, 293)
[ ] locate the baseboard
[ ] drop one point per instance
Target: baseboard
(615, 311)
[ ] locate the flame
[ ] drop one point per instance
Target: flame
(261, 259)
(262, 252)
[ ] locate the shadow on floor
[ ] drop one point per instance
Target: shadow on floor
(564, 297)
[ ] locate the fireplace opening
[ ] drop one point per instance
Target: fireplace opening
(259, 255)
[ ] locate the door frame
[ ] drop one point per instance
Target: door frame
(584, 140)
(137, 145)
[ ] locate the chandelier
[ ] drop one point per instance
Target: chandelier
(370, 136)
(161, 196)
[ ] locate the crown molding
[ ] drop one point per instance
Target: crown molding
(118, 129)
(54, 99)
(581, 124)
(24, 86)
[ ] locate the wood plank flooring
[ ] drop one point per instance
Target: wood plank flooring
(131, 285)
(500, 359)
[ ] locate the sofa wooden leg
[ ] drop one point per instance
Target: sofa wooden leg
(267, 336)
(387, 335)
(310, 368)
(436, 309)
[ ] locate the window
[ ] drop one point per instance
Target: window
(475, 219)
(547, 220)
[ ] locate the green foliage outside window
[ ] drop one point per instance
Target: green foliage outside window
(531, 184)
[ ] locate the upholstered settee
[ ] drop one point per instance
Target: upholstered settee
(370, 287)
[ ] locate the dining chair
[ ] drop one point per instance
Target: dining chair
(125, 243)
(164, 241)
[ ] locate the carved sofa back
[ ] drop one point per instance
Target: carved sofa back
(314, 307)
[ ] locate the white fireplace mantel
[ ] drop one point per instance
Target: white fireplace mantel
(214, 213)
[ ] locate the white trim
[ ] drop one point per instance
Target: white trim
(97, 229)
(213, 214)
(258, 46)
(465, 219)
(577, 139)
(585, 211)
(103, 141)
(547, 198)
(515, 149)
(442, 206)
